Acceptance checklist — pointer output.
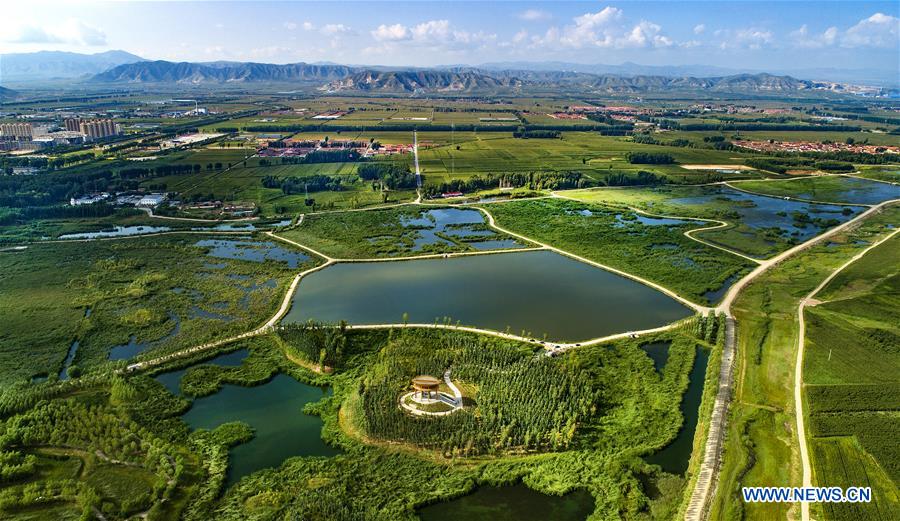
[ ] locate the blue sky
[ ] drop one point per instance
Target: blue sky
(761, 35)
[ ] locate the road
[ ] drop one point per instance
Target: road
(798, 369)
(705, 485)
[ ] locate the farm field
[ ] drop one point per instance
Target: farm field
(850, 398)
(760, 435)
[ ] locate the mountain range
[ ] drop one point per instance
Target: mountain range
(120, 67)
(51, 65)
(337, 78)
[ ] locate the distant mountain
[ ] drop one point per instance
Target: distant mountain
(48, 65)
(422, 80)
(220, 72)
(7, 94)
(625, 69)
(460, 79)
(880, 77)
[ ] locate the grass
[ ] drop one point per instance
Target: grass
(128, 286)
(379, 233)
(835, 189)
(755, 230)
(760, 448)
(852, 341)
(660, 253)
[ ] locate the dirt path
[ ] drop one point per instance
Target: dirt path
(798, 369)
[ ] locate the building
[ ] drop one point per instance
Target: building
(88, 199)
(23, 131)
(151, 200)
(93, 129)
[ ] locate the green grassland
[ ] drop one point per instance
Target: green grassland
(374, 234)
(128, 285)
(586, 152)
(660, 253)
(836, 189)
(853, 339)
(760, 440)
(699, 202)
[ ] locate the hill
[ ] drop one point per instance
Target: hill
(47, 65)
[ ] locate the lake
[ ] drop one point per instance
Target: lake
(538, 291)
(118, 231)
(275, 411)
(511, 503)
(461, 224)
(253, 251)
(172, 379)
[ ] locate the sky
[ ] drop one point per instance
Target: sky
(744, 34)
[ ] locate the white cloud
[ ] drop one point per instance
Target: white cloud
(878, 30)
(391, 33)
(749, 38)
(308, 26)
(803, 39)
(699, 28)
(434, 34)
(290, 26)
(72, 31)
(334, 29)
(534, 15)
(606, 29)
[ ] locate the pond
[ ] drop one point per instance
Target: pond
(674, 457)
(461, 224)
(540, 292)
(758, 211)
(172, 379)
(649, 221)
(275, 412)
(134, 348)
(118, 231)
(658, 352)
(714, 296)
(837, 189)
(254, 251)
(64, 372)
(511, 503)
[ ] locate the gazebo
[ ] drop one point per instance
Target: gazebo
(425, 385)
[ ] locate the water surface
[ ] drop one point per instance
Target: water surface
(118, 231)
(674, 457)
(254, 251)
(539, 292)
(172, 379)
(275, 411)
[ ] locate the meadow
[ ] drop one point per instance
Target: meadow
(760, 437)
(658, 251)
(153, 293)
(852, 428)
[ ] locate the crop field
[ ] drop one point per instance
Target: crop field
(691, 269)
(154, 293)
(760, 433)
(855, 324)
(590, 153)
